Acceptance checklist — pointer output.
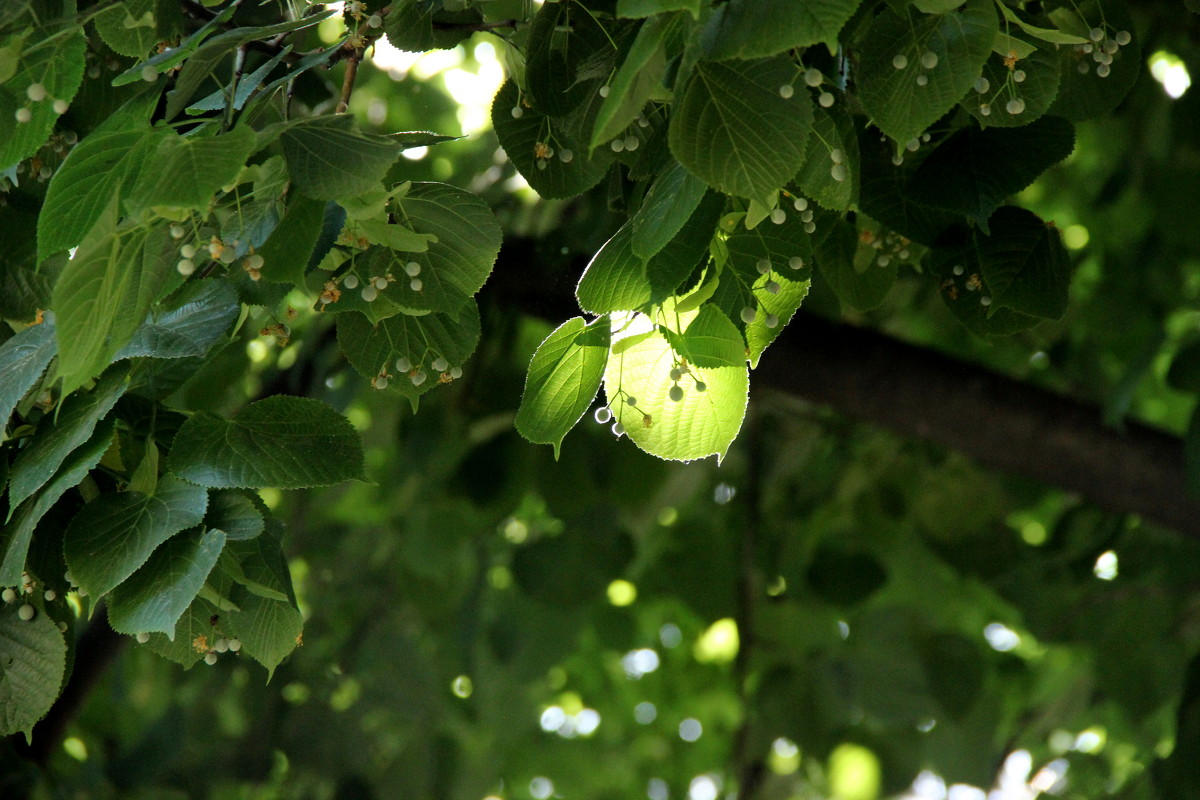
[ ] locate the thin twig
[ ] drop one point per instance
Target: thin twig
(348, 81)
(474, 26)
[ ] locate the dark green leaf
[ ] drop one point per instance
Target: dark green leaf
(188, 323)
(285, 442)
(1037, 92)
(329, 158)
(129, 27)
(666, 209)
(23, 359)
(33, 658)
(236, 512)
(819, 177)
(648, 8)
(962, 41)
(639, 75)
(57, 437)
(112, 536)
(1083, 94)
(287, 252)
(566, 44)
(756, 28)
(188, 170)
(58, 66)
(734, 131)
(155, 597)
(851, 267)
(1025, 266)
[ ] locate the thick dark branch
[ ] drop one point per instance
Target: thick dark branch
(998, 421)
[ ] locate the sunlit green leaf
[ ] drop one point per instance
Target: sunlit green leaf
(563, 379)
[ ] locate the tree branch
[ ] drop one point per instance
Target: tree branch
(998, 421)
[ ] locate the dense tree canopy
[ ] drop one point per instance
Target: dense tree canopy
(599, 399)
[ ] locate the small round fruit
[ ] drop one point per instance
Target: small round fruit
(786, 91)
(929, 59)
(418, 378)
(778, 216)
(143, 637)
(796, 262)
(630, 400)
(416, 284)
(701, 386)
(676, 393)
(23, 115)
(1015, 106)
(440, 364)
(456, 372)
(838, 172)
(403, 364)
(825, 99)
(235, 645)
(185, 267)
(899, 61)
(676, 374)
(771, 321)
(412, 269)
(603, 415)
(381, 382)
(36, 92)
(8, 595)
(749, 315)
(370, 293)
(210, 658)
(517, 112)
(60, 106)
(26, 612)
(813, 77)
(350, 281)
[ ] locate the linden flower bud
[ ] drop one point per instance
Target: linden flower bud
(1124, 38)
(676, 393)
(379, 282)
(36, 92)
(922, 80)
(1015, 106)
(50, 595)
(143, 637)
(1019, 75)
(350, 281)
(440, 364)
(617, 145)
(632, 143)
(772, 287)
(23, 115)
(177, 232)
(630, 400)
(374, 21)
(603, 415)
(255, 261)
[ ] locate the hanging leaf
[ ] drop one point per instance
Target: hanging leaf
(157, 595)
(33, 658)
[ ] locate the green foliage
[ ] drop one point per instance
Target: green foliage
(206, 273)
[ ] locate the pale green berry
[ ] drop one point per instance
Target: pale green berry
(986, 110)
(455, 372)
(958, 269)
(517, 112)
(806, 216)
(985, 301)
(899, 61)
(786, 91)
(566, 156)
(825, 99)
(813, 77)
(379, 282)
(8, 595)
(418, 378)
(1019, 75)
(778, 216)
(403, 364)
(1015, 106)
(810, 227)
(701, 386)
(617, 145)
(632, 143)
(836, 155)
(676, 393)
(929, 59)
(185, 267)
(618, 429)
(763, 266)
(187, 250)
(23, 115)
(771, 321)
(800, 203)
(676, 373)
(143, 637)
(772, 287)
(440, 364)
(796, 262)
(210, 658)
(36, 92)
(416, 284)
(350, 281)
(221, 645)
(603, 415)
(604, 90)
(370, 293)
(838, 172)
(235, 645)
(1083, 67)
(749, 315)
(25, 612)
(255, 261)
(541, 163)
(412, 269)
(982, 84)
(149, 74)
(1124, 38)
(630, 400)
(1104, 70)
(50, 595)
(1097, 34)
(381, 382)
(374, 21)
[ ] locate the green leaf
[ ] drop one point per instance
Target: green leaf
(129, 27)
(187, 647)
(17, 534)
(782, 305)
(156, 596)
(33, 659)
(58, 436)
(59, 68)
(373, 349)
(617, 280)
(573, 169)
(101, 166)
(973, 171)
(666, 208)
(112, 536)
(962, 42)
(105, 291)
(409, 25)
(756, 28)
(851, 266)
(564, 376)
(188, 323)
(734, 131)
(635, 9)
(285, 442)
(834, 129)
(236, 512)
(23, 359)
(188, 170)
(701, 424)
(328, 157)
(566, 44)
(957, 265)
(173, 56)
(1052, 35)
(1038, 91)
(711, 340)
(287, 252)
(269, 630)
(883, 197)
(1025, 266)
(462, 238)
(1085, 95)
(246, 87)
(205, 59)
(639, 75)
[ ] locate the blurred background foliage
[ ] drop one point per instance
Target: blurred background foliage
(832, 612)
